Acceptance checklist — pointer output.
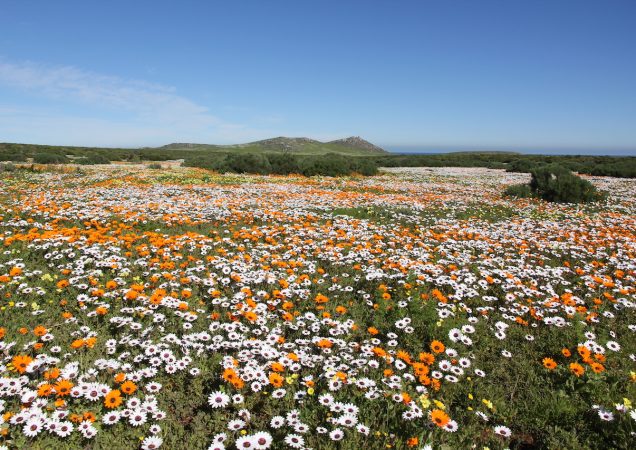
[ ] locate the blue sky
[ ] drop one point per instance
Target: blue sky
(408, 75)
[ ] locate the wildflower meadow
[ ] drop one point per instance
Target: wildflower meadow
(420, 308)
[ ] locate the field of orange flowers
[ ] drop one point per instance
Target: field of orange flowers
(183, 309)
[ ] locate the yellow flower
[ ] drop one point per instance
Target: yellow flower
(439, 404)
(470, 396)
(488, 403)
(310, 391)
(425, 401)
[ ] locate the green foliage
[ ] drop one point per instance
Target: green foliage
(290, 156)
(555, 183)
(283, 164)
(92, 159)
(330, 164)
(249, 163)
(49, 158)
(519, 190)
(364, 166)
(522, 165)
(7, 167)
(154, 166)
(611, 166)
(9, 155)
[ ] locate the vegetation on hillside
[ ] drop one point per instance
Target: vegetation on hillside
(302, 146)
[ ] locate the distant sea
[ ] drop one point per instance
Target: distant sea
(429, 150)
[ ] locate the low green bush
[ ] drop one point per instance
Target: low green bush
(283, 164)
(522, 165)
(92, 159)
(49, 158)
(555, 183)
(330, 164)
(7, 167)
(519, 191)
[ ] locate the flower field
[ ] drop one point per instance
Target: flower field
(182, 309)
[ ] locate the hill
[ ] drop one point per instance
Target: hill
(301, 145)
(358, 143)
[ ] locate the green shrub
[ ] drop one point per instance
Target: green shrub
(519, 190)
(155, 166)
(248, 163)
(522, 166)
(50, 158)
(12, 156)
(330, 164)
(364, 166)
(283, 164)
(555, 183)
(92, 159)
(7, 167)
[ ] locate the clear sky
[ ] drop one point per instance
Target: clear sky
(408, 75)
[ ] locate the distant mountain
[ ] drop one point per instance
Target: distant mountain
(353, 145)
(283, 143)
(359, 143)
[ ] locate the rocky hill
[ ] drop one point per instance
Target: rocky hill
(353, 145)
(358, 143)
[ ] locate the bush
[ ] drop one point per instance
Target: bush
(555, 183)
(12, 156)
(364, 166)
(248, 163)
(92, 159)
(519, 190)
(7, 167)
(522, 166)
(154, 166)
(330, 164)
(283, 164)
(49, 158)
